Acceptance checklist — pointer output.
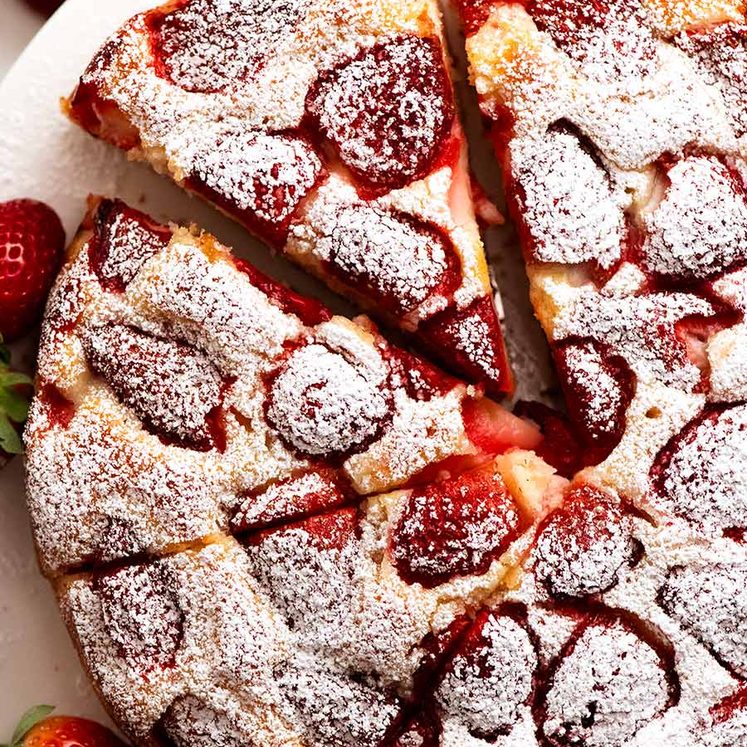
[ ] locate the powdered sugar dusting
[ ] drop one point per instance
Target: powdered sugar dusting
(640, 329)
(209, 46)
(609, 685)
(387, 111)
(256, 105)
(711, 603)
(324, 404)
(387, 254)
(568, 221)
(702, 474)
(700, 227)
(208, 392)
(486, 685)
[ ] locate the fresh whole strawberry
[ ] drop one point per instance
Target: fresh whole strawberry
(38, 729)
(14, 405)
(32, 241)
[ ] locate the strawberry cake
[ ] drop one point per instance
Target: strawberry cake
(267, 526)
(329, 130)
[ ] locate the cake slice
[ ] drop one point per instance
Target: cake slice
(618, 128)
(181, 392)
(329, 130)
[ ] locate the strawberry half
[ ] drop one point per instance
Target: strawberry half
(32, 241)
(37, 729)
(14, 405)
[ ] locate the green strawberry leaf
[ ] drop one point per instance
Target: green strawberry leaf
(28, 721)
(10, 441)
(14, 405)
(15, 378)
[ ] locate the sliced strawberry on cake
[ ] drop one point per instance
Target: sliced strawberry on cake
(344, 151)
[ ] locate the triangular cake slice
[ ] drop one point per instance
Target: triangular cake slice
(329, 130)
(181, 393)
(619, 126)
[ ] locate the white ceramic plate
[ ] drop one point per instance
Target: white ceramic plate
(43, 156)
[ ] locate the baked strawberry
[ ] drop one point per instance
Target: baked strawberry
(174, 388)
(490, 678)
(37, 729)
(454, 528)
(14, 405)
(584, 545)
(598, 389)
(387, 112)
(32, 241)
(611, 678)
(710, 602)
(124, 239)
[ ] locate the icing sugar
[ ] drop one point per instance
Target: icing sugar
(702, 478)
(700, 227)
(569, 220)
(485, 686)
(609, 685)
(711, 603)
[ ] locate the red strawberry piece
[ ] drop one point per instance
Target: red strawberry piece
(711, 603)
(422, 380)
(559, 445)
(474, 14)
(172, 387)
(494, 430)
(387, 112)
(293, 498)
(470, 342)
(123, 240)
(191, 722)
(38, 729)
(46, 7)
(59, 409)
(394, 258)
(436, 648)
(327, 531)
(258, 178)
(454, 528)
(692, 238)
(98, 115)
(583, 546)
(700, 475)
(310, 311)
(649, 332)
(206, 46)
(720, 51)
(31, 246)
(325, 403)
(598, 388)
(612, 678)
(308, 570)
(142, 615)
(560, 221)
(491, 676)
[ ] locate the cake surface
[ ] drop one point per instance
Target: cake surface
(268, 526)
(329, 129)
